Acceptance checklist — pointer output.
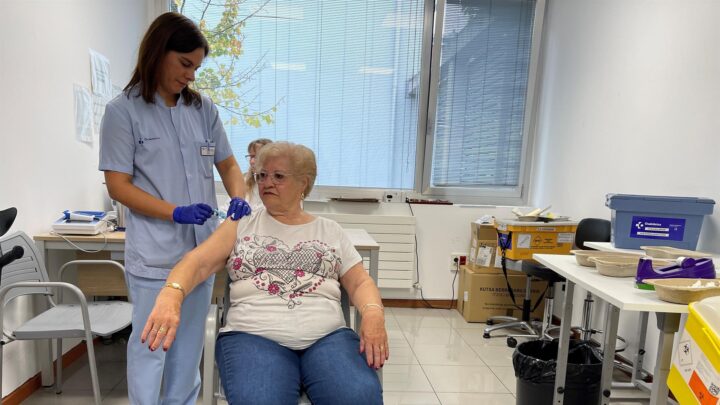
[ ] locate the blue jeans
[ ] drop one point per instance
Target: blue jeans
(256, 370)
(178, 369)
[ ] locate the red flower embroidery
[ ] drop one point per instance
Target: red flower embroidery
(237, 263)
(271, 248)
(299, 273)
(273, 288)
(259, 270)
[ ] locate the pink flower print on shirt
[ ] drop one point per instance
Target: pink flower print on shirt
(273, 288)
(237, 263)
(288, 273)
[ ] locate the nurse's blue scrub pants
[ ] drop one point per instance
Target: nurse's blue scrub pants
(177, 371)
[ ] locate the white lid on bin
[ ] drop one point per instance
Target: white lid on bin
(709, 309)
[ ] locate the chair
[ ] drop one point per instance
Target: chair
(212, 389)
(535, 330)
(7, 217)
(27, 276)
(588, 229)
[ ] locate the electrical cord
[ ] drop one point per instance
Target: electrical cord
(503, 261)
(417, 272)
(104, 234)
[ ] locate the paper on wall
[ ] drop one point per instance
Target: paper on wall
(100, 70)
(83, 114)
(102, 88)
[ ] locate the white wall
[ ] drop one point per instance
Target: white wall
(629, 104)
(43, 51)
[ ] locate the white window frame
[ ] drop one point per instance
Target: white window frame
(433, 19)
(516, 195)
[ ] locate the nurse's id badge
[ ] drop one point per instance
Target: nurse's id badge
(208, 149)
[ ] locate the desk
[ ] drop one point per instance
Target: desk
(620, 294)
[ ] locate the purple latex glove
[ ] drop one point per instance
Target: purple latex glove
(195, 214)
(238, 208)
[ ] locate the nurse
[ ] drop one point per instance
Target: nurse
(159, 141)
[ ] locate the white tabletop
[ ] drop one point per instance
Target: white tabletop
(608, 247)
(361, 239)
(618, 291)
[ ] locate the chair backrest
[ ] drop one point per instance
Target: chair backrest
(592, 230)
(30, 267)
(7, 217)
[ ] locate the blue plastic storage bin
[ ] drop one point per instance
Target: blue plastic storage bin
(645, 220)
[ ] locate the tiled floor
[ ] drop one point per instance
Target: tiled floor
(436, 358)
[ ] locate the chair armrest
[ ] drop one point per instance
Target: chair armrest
(209, 375)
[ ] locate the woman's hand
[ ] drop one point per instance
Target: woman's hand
(373, 338)
(164, 319)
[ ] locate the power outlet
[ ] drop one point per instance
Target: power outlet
(392, 196)
(457, 260)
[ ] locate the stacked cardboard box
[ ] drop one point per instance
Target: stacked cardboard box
(483, 248)
(482, 291)
(483, 295)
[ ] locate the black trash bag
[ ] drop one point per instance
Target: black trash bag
(535, 368)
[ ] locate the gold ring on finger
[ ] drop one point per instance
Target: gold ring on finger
(161, 330)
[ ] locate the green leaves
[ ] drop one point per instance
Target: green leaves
(221, 78)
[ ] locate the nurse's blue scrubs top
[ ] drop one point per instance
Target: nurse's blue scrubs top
(166, 150)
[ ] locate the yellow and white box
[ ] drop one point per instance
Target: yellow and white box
(523, 239)
(695, 373)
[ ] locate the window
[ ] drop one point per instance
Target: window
(351, 80)
(480, 102)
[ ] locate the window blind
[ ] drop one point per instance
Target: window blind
(480, 112)
(343, 78)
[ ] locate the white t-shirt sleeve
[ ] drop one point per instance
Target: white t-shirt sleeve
(348, 254)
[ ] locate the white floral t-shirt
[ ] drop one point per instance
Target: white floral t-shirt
(285, 279)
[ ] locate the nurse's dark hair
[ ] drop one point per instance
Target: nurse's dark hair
(169, 32)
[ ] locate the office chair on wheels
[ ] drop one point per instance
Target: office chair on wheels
(588, 229)
(532, 329)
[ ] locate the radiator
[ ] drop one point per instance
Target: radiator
(396, 236)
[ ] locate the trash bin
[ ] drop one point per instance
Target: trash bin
(535, 364)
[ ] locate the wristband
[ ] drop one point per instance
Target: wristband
(177, 287)
(364, 307)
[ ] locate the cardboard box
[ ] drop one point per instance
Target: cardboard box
(483, 255)
(483, 295)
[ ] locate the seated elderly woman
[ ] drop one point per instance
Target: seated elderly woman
(285, 329)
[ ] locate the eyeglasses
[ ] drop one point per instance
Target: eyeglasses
(276, 177)
(249, 157)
